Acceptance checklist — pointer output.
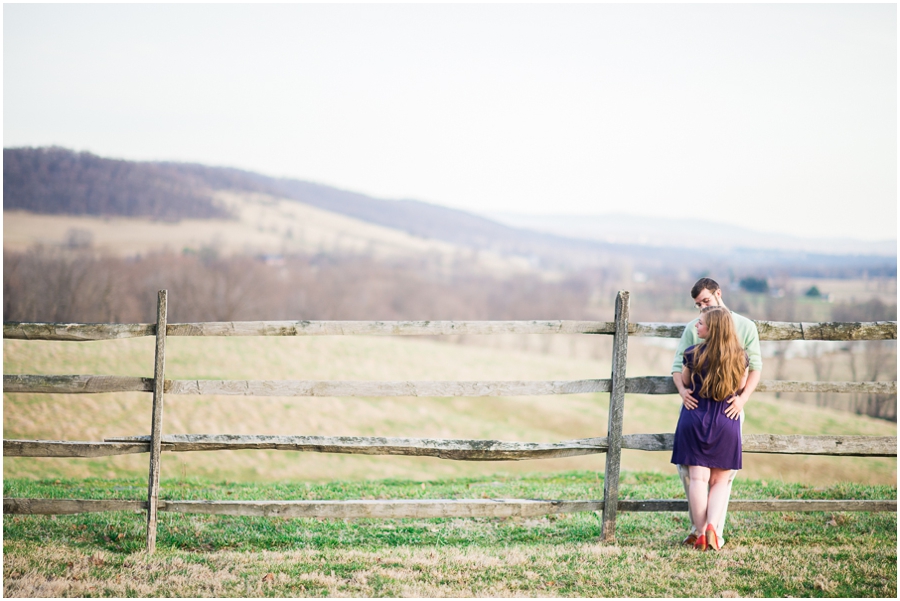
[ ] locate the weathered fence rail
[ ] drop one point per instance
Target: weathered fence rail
(462, 450)
(768, 330)
(428, 388)
(419, 508)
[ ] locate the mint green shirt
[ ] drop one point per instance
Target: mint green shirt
(746, 331)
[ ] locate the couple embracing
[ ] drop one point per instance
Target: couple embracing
(717, 367)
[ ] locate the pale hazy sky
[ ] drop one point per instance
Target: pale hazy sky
(780, 118)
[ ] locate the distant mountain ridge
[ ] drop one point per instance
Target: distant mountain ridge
(615, 228)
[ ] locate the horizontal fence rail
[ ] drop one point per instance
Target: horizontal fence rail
(337, 388)
(87, 384)
(422, 508)
(387, 328)
(76, 332)
(462, 450)
(768, 330)
(78, 384)
(665, 385)
(71, 448)
(69, 506)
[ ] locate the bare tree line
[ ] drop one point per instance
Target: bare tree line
(856, 361)
(865, 361)
(46, 284)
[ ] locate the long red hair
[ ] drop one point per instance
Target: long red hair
(722, 355)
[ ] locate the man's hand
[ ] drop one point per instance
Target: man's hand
(684, 392)
(735, 406)
(736, 403)
(689, 401)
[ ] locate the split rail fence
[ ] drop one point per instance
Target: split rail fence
(470, 450)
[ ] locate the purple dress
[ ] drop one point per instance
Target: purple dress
(705, 436)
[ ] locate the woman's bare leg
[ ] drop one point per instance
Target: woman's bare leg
(698, 496)
(720, 524)
(719, 492)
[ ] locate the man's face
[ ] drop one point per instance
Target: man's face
(708, 299)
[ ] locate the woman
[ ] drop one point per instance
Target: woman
(708, 438)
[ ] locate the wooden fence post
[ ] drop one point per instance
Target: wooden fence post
(616, 415)
(159, 371)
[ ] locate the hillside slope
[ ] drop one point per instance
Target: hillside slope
(261, 225)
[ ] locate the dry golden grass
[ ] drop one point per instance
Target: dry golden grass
(549, 419)
(576, 569)
(264, 224)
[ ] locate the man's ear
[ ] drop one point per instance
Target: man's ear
(719, 294)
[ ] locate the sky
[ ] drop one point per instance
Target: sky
(775, 117)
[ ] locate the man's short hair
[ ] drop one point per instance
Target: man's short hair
(704, 284)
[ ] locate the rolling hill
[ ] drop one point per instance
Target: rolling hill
(59, 197)
(59, 181)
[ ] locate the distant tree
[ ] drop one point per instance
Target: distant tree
(757, 285)
(813, 292)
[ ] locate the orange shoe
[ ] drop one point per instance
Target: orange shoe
(700, 544)
(712, 539)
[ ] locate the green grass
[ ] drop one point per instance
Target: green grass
(767, 554)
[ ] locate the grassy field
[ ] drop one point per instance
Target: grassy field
(537, 419)
(766, 554)
(263, 224)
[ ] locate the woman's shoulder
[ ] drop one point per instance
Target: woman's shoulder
(689, 353)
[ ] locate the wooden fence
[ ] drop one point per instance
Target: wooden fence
(469, 450)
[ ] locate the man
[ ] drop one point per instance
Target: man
(706, 293)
